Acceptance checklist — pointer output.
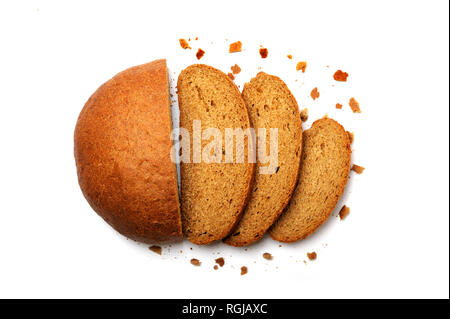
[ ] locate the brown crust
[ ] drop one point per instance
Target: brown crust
(340, 191)
(294, 184)
(122, 152)
(251, 181)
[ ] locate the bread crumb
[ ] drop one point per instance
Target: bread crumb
(263, 52)
(338, 106)
(184, 44)
(354, 105)
(340, 76)
(200, 54)
(220, 261)
(304, 115)
(351, 136)
(289, 56)
(244, 270)
(195, 262)
(267, 256)
(358, 169)
(230, 75)
(196, 38)
(235, 69)
(235, 47)
(301, 66)
(312, 256)
(215, 267)
(156, 249)
(315, 94)
(344, 212)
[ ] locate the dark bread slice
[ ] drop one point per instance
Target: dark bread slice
(213, 195)
(270, 105)
(324, 171)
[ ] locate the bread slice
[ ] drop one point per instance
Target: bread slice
(213, 195)
(122, 151)
(270, 105)
(324, 171)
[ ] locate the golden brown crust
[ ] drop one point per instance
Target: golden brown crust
(122, 152)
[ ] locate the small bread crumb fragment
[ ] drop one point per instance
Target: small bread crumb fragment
(289, 56)
(156, 249)
(184, 44)
(263, 52)
(315, 94)
(215, 267)
(338, 106)
(230, 75)
(340, 76)
(267, 256)
(351, 136)
(235, 69)
(195, 262)
(244, 270)
(196, 38)
(235, 47)
(344, 212)
(200, 54)
(301, 66)
(354, 105)
(304, 115)
(357, 169)
(220, 261)
(312, 256)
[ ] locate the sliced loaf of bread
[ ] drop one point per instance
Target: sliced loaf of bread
(213, 195)
(270, 105)
(324, 171)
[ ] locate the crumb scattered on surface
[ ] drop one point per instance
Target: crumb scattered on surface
(344, 212)
(184, 44)
(235, 69)
(244, 270)
(230, 75)
(338, 106)
(315, 94)
(235, 47)
(358, 169)
(195, 262)
(156, 249)
(263, 52)
(267, 256)
(340, 76)
(220, 261)
(289, 56)
(351, 136)
(304, 115)
(196, 38)
(215, 267)
(312, 256)
(354, 105)
(200, 54)
(301, 66)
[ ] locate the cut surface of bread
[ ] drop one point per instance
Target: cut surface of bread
(122, 151)
(270, 105)
(213, 195)
(324, 171)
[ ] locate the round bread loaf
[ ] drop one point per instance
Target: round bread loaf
(122, 152)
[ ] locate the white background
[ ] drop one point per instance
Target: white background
(394, 243)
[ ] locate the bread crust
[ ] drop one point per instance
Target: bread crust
(252, 166)
(122, 152)
(275, 233)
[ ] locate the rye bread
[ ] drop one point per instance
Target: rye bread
(122, 151)
(213, 195)
(324, 171)
(270, 105)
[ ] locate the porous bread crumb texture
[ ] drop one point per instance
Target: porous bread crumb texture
(324, 171)
(200, 53)
(315, 93)
(270, 105)
(235, 47)
(184, 44)
(122, 152)
(354, 105)
(304, 115)
(301, 66)
(236, 69)
(340, 76)
(344, 212)
(156, 249)
(312, 256)
(244, 270)
(213, 195)
(195, 262)
(263, 52)
(358, 169)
